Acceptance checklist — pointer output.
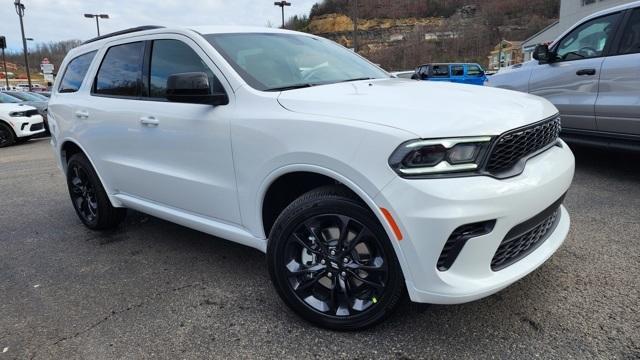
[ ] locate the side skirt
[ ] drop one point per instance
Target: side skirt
(194, 221)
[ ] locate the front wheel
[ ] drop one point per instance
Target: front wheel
(332, 262)
(7, 137)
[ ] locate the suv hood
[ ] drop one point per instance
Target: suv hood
(427, 109)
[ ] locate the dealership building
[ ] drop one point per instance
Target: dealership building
(571, 11)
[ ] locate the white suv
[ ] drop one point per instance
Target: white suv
(357, 185)
(18, 122)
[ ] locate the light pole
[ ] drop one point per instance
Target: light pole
(355, 25)
(98, 17)
(20, 11)
(3, 45)
(282, 4)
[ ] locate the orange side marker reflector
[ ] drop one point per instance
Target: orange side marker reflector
(394, 226)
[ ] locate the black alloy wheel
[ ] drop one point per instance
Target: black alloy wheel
(333, 263)
(88, 196)
(83, 194)
(7, 137)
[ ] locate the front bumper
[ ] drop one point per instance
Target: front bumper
(428, 211)
(23, 125)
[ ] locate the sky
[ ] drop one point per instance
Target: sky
(53, 20)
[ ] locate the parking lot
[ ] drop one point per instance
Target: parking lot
(154, 289)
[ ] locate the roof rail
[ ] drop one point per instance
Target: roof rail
(122, 32)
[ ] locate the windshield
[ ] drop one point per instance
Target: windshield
(276, 62)
(4, 98)
(21, 95)
(39, 96)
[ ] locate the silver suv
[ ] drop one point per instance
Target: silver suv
(591, 73)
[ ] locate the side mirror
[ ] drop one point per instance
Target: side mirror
(193, 87)
(542, 54)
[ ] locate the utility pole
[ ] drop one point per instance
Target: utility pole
(355, 25)
(98, 17)
(20, 11)
(500, 54)
(3, 45)
(282, 4)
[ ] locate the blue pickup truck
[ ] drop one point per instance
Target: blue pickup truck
(458, 73)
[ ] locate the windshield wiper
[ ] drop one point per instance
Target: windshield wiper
(290, 87)
(357, 79)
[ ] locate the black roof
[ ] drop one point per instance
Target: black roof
(122, 32)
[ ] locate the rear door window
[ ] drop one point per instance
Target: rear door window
(440, 70)
(457, 70)
(630, 43)
(75, 73)
(120, 73)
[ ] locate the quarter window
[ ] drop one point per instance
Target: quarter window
(440, 70)
(587, 40)
(170, 57)
(121, 71)
(630, 43)
(75, 73)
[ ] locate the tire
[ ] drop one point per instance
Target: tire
(7, 137)
(88, 196)
(366, 282)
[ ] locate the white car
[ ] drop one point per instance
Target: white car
(360, 187)
(403, 74)
(18, 122)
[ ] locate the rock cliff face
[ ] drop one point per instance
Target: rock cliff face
(373, 34)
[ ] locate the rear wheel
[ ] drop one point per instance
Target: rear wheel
(7, 137)
(332, 262)
(89, 197)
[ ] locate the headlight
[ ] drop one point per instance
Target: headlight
(18, 114)
(419, 158)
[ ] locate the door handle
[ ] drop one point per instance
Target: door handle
(149, 121)
(586, 72)
(82, 114)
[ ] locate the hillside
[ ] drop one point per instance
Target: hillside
(54, 51)
(401, 34)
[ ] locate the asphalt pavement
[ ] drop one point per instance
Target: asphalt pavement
(153, 289)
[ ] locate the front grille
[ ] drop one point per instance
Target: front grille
(36, 127)
(517, 144)
(526, 237)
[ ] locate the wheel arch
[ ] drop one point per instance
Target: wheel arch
(70, 147)
(336, 178)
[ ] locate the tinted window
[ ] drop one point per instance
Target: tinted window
(440, 70)
(75, 73)
(474, 70)
(457, 70)
(121, 70)
(172, 57)
(587, 40)
(630, 42)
